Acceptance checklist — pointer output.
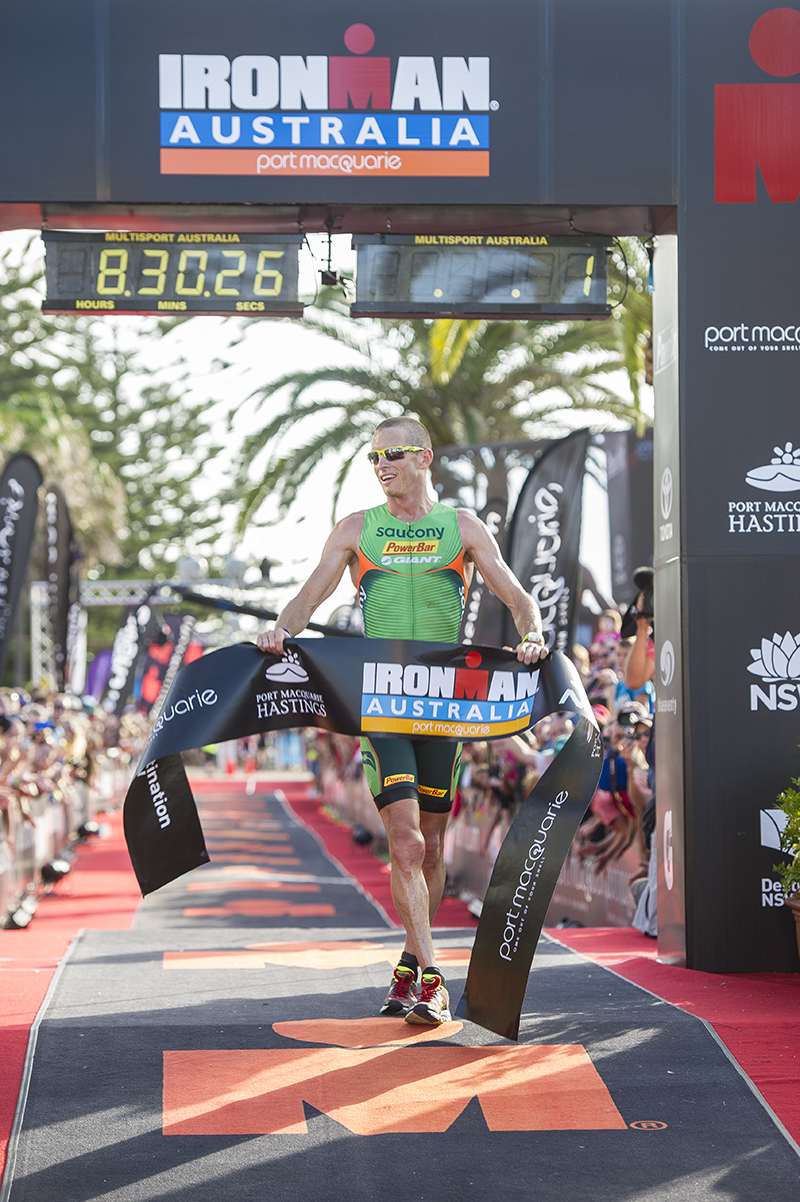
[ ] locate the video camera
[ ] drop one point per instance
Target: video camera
(643, 580)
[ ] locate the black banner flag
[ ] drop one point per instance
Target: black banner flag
(18, 506)
(138, 628)
(545, 536)
(384, 686)
(629, 470)
(62, 580)
(484, 613)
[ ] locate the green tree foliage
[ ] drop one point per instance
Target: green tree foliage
(157, 443)
(124, 442)
(468, 381)
(34, 417)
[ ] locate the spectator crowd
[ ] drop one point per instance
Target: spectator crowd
(62, 762)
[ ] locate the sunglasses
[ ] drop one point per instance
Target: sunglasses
(391, 453)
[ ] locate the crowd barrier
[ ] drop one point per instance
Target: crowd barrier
(40, 829)
(473, 839)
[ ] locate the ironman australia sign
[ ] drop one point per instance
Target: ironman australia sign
(359, 112)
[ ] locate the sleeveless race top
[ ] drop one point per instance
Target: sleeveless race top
(411, 575)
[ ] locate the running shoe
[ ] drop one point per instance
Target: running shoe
(402, 993)
(433, 1007)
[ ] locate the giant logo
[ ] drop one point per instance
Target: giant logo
(315, 114)
(756, 123)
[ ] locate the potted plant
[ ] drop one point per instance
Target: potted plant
(789, 873)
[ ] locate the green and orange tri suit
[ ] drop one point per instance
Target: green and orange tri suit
(412, 582)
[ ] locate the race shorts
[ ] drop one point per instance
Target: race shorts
(426, 769)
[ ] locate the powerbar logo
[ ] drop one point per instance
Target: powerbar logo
(407, 552)
(752, 338)
(407, 547)
(316, 114)
(528, 880)
(157, 794)
(454, 702)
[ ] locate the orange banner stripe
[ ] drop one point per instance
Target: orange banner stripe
(196, 161)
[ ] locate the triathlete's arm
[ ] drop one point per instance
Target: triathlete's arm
(640, 666)
(481, 547)
(340, 548)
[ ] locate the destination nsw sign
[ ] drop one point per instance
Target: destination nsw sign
(115, 272)
(480, 275)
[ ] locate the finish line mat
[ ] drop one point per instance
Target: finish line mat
(266, 870)
(247, 1064)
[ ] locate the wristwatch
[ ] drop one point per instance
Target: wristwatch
(533, 636)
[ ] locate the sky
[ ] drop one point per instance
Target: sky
(268, 349)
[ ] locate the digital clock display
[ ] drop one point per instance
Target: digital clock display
(160, 273)
(480, 275)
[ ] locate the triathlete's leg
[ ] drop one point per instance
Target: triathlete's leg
(433, 827)
(409, 888)
(390, 770)
(439, 764)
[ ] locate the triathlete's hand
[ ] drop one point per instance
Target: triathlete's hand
(529, 652)
(272, 640)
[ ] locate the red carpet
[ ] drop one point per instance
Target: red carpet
(756, 1015)
(99, 894)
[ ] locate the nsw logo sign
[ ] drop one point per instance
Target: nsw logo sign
(777, 663)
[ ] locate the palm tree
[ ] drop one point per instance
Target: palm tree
(41, 426)
(35, 418)
(469, 382)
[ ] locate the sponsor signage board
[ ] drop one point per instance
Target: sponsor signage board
(324, 103)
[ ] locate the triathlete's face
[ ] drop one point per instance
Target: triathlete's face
(400, 476)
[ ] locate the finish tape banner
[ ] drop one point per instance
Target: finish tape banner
(384, 686)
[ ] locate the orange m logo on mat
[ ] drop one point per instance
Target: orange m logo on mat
(372, 1083)
(320, 956)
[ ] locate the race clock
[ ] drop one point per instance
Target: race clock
(163, 273)
(481, 275)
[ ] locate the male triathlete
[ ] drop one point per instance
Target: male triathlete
(411, 560)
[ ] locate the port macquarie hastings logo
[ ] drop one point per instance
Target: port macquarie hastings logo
(775, 515)
(287, 699)
(468, 702)
(340, 114)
